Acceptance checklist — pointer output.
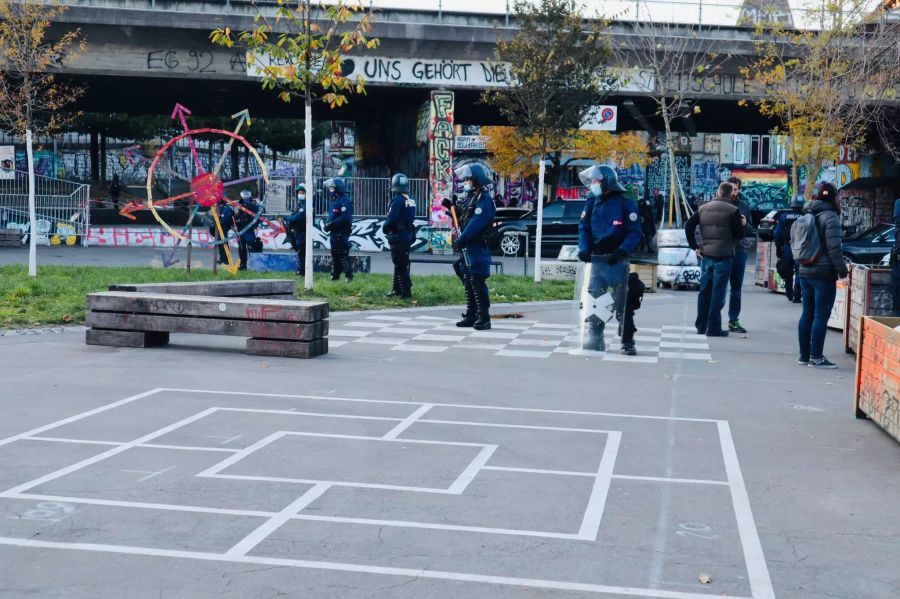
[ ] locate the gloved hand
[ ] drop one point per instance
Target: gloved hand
(457, 246)
(447, 203)
(584, 255)
(326, 227)
(617, 256)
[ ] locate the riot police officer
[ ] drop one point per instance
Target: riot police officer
(786, 267)
(296, 229)
(339, 226)
(245, 223)
(609, 230)
(475, 214)
(399, 227)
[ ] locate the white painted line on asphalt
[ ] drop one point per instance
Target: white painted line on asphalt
(186, 448)
(106, 454)
(672, 344)
(402, 331)
(523, 353)
(540, 325)
(410, 573)
(316, 414)
(334, 483)
(434, 318)
(240, 455)
(420, 348)
(510, 326)
(150, 473)
(593, 513)
(487, 346)
(334, 343)
(471, 471)
(225, 440)
(449, 527)
(407, 422)
(371, 325)
(636, 359)
(77, 417)
(540, 471)
(450, 338)
(246, 545)
(561, 350)
(392, 318)
(442, 405)
(493, 335)
(450, 329)
(347, 333)
(535, 342)
(381, 340)
(757, 571)
(547, 332)
(663, 479)
(667, 327)
(521, 426)
(82, 441)
(684, 356)
(141, 505)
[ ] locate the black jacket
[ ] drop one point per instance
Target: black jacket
(720, 228)
(830, 265)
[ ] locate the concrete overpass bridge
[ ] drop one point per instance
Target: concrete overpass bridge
(144, 55)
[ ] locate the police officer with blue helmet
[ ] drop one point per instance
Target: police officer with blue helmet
(475, 214)
(399, 228)
(339, 226)
(786, 266)
(295, 223)
(609, 230)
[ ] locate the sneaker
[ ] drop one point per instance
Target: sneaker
(629, 349)
(735, 327)
(717, 333)
(822, 363)
(803, 361)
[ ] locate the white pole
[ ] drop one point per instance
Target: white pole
(540, 223)
(32, 212)
(310, 190)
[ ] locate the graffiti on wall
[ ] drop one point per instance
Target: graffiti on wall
(762, 188)
(440, 145)
(705, 179)
(658, 175)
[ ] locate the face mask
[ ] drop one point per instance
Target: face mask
(596, 188)
(467, 187)
(301, 196)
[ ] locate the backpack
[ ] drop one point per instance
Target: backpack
(806, 242)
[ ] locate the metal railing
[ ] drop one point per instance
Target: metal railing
(370, 195)
(62, 207)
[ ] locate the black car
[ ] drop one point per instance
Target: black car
(560, 228)
(766, 227)
(870, 246)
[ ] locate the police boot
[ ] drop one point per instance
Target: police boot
(593, 338)
(628, 348)
(405, 288)
(395, 289)
(483, 304)
(348, 267)
(471, 306)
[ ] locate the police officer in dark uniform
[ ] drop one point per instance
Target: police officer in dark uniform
(339, 226)
(245, 223)
(786, 266)
(214, 230)
(895, 259)
(475, 212)
(608, 232)
(295, 223)
(399, 228)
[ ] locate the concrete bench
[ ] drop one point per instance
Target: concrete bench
(256, 288)
(285, 328)
(498, 265)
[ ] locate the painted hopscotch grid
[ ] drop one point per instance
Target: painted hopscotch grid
(240, 552)
(514, 338)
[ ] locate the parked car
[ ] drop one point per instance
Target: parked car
(766, 227)
(871, 245)
(560, 228)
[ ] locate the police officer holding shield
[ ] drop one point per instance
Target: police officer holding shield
(339, 226)
(296, 229)
(399, 228)
(608, 232)
(474, 213)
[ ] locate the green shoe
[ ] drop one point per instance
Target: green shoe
(735, 327)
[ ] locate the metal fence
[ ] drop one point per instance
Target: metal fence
(62, 207)
(371, 195)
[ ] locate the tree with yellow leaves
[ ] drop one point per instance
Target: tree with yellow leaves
(515, 156)
(829, 86)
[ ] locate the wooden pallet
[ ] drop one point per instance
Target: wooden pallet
(284, 328)
(10, 237)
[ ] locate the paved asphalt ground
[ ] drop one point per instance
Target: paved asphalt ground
(414, 461)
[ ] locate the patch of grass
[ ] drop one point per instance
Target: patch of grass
(56, 296)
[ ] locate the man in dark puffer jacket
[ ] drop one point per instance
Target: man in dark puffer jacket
(819, 280)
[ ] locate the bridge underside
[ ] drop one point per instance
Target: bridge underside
(146, 95)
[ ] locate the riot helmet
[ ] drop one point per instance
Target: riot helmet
(246, 195)
(477, 173)
(300, 188)
(797, 203)
(339, 185)
(607, 176)
(400, 183)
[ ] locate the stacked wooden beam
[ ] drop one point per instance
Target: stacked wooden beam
(255, 288)
(10, 237)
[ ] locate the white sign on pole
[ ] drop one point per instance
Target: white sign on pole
(409, 71)
(605, 118)
(7, 162)
(277, 193)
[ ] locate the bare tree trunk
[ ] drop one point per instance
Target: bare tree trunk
(670, 156)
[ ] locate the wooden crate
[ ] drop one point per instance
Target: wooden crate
(877, 393)
(10, 238)
(647, 274)
(869, 294)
